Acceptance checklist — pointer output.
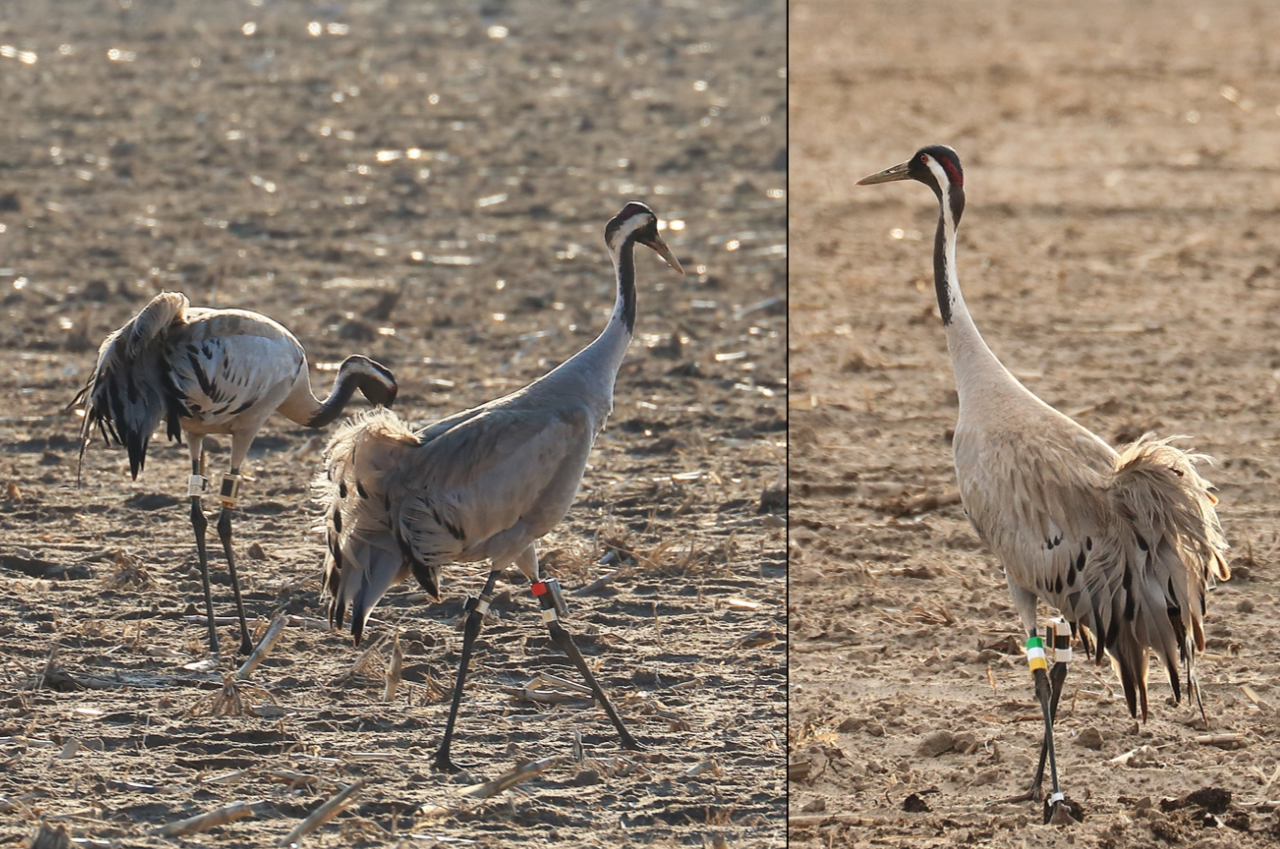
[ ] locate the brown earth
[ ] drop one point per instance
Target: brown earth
(1119, 253)
(430, 188)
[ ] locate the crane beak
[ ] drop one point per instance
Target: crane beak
(889, 175)
(660, 247)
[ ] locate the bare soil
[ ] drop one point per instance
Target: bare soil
(429, 187)
(1118, 253)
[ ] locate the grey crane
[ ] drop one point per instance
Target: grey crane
(1124, 545)
(210, 371)
(483, 484)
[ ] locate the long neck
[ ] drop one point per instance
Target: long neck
(970, 355)
(355, 373)
(606, 353)
(330, 408)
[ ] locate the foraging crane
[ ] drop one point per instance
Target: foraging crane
(210, 371)
(1123, 545)
(483, 484)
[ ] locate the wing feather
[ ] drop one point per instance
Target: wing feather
(1123, 545)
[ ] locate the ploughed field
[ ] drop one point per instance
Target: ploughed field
(428, 187)
(1118, 255)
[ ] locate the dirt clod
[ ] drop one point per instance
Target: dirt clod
(936, 743)
(1089, 738)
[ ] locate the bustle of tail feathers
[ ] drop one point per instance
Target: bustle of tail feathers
(352, 488)
(127, 395)
(1169, 511)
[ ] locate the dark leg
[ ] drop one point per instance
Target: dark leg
(552, 607)
(1057, 676)
(199, 524)
(1048, 693)
(476, 609)
(224, 533)
(561, 638)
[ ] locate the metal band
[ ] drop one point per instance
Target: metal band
(549, 615)
(482, 605)
(196, 485)
(1062, 655)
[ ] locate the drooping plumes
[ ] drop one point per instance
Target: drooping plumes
(483, 484)
(210, 371)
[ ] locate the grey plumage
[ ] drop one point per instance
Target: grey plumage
(1123, 544)
(207, 371)
(484, 484)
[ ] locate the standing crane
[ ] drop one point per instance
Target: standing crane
(483, 484)
(210, 371)
(1124, 545)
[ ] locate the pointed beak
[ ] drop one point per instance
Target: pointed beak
(889, 175)
(660, 247)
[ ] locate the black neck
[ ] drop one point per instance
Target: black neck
(940, 283)
(352, 375)
(333, 406)
(627, 284)
(941, 280)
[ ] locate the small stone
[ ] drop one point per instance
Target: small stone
(965, 743)
(256, 552)
(1090, 738)
(986, 777)
(936, 743)
(814, 806)
(1245, 606)
(913, 804)
(585, 778)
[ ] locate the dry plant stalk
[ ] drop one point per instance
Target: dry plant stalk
(557, 681)
(49, 837)
(757, 639)
(213, 819)
(265, 645)
(368, 666)
(529, 694)
(324, 813)
(293, 779)
(230, 700)
(130, 573)
(507, 780)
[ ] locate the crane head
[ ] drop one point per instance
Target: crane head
(637, 221)
(937, 166)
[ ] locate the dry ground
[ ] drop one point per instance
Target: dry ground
(429, 187)
(1119, 253)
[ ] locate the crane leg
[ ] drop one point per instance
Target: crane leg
(199, 524)
(476, 609)
(230, 489)
(1048, 692)
(553, 606)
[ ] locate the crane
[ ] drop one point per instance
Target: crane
(210, 371)
(1124, 545)
(482, 484)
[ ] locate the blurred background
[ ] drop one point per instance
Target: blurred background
(1118, 254)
